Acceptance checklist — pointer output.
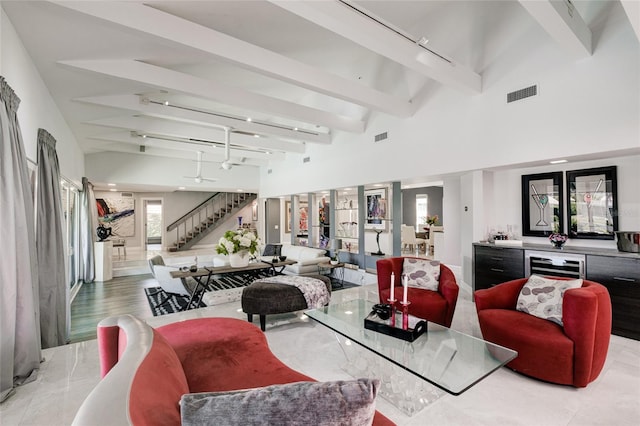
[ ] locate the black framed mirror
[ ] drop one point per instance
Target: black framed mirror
(593, 206)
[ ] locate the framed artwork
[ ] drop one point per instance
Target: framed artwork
(303, 222)
(117, 213)
(542, 204)
(593, 204)
(377, 213)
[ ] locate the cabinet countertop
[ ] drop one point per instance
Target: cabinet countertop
(566, 249)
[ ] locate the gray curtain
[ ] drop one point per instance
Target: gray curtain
(88, 225)
(19, 323)
(54, 294)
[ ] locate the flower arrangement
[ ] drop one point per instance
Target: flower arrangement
(557, 238)
(237, 241)
(432, 220)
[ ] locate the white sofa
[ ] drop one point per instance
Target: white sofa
(307, 259)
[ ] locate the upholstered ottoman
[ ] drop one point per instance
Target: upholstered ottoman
(280, 294)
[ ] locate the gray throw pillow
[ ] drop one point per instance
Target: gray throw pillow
(422, 273)
(542, 297)
(350, 402)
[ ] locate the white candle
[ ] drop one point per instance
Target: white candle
(393, 284)
(405, 284)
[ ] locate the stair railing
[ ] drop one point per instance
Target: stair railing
(205, 215)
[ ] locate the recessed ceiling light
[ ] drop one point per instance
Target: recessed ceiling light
(295, 129)
(240, 190)
(166, 103)
(181, 188)
(249, 119)
(557, 161)
(144, 136)
(111, 184)
(423, 41)
(256, 136)
(377, 184)
(113, 190)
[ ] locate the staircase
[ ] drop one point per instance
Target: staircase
(199, 222)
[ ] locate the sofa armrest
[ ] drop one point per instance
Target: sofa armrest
(586, 317)
(501, 296)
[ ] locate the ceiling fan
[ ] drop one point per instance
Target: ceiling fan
(198, 177)
(227, 164)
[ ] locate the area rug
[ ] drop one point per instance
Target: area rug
(221, 289)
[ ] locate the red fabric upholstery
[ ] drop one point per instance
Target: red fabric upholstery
(206, 349)
(157, 386)
(150, 369)
(433, 306)
(571, 355)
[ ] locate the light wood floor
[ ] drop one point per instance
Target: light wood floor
(98, 300)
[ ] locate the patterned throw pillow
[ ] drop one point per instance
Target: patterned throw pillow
(542, 297)
(422, 273)
(344, 402)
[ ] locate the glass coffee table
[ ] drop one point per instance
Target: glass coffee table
(413, 374)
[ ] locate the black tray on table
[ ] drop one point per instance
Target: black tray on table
(375, 323)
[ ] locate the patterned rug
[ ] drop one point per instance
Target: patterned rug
(225, 284)
(221, 289)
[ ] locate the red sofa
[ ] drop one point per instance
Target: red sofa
(433, 306)
(146, 371)
(572, 354)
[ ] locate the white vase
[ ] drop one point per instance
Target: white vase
(239, 260)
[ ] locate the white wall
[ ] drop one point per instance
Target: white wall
(507, 190)
(37, 108)
(589, 106)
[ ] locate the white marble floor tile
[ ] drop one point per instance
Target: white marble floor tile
(504, 398)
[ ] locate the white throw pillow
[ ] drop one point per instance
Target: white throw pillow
(422, 273)
(542, 297)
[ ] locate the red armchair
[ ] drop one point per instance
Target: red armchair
(572, 354)
(433, 306)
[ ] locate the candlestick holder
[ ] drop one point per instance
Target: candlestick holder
(392, 302)
(405, 314)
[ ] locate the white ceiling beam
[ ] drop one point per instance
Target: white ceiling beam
(632, 9)
(564, 24)
(141, 17)
(212, 154)
(135, 103)
(352, 25)
(163, 78)
(159, 126)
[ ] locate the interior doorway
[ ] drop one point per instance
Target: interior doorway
(152, 226)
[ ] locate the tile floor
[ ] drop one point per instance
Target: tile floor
(504, 398)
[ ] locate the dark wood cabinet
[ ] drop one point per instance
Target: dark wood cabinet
(621, 276)
(495, 265)
(618, 271)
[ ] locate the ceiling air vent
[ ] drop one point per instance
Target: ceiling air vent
(306, 159)
(522, 93)
(381, 137)
(126, 194)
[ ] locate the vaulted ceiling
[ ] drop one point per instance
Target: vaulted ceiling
(170, 78)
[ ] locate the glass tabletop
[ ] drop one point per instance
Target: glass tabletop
(448, 359)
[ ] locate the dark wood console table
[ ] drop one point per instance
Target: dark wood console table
(616, 270)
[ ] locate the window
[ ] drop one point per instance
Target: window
(422, 204)
(69, 195)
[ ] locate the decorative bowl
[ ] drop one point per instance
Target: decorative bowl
(283, 258)
(628, 241)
